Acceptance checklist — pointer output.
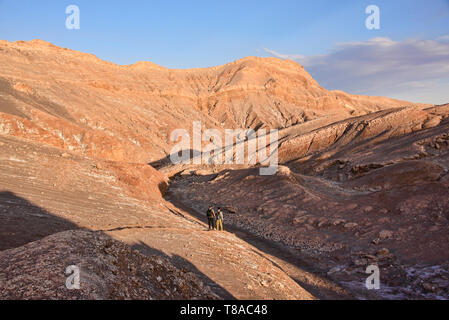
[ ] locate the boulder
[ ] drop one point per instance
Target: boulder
(386, 234)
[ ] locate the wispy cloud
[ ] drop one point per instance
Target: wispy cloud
(285, 56)
(381, 66)
(443, 38)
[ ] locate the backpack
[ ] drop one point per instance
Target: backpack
(210, 213)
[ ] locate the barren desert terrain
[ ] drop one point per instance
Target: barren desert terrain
(85, 179)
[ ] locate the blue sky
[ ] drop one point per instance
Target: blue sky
(187, 34)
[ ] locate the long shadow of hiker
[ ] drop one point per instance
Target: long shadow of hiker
(23, 222)
(186, 266)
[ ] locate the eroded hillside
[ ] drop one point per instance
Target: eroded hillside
(368, 190)
(46, 192)
(78, 102)
(362, 180)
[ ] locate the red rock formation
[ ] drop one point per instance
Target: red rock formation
(363, 180)
(83, 104)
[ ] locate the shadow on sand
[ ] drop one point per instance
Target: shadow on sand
(166, 161)
(308, 276)
(186, 266)
(23, 222)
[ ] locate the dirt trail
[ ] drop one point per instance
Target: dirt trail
(44, 193)
(225, 261)
(287, 259)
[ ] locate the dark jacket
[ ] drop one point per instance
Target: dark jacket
(210, 213)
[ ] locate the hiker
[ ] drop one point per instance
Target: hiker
(211, 217)
(219, 219)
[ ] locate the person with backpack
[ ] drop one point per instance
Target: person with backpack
(219, 219)
(211, 217)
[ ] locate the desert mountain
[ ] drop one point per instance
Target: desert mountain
(363, 180)
(78, 102)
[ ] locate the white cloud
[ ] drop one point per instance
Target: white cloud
(381, 66)
(285, 56)
(443, 38)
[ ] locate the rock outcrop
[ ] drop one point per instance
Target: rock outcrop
(77, 102)
(108, 269)
(363, 180)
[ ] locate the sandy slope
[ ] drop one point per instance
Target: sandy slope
(46, 192)
(364, 180)
(78, 102)
(370, 190)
